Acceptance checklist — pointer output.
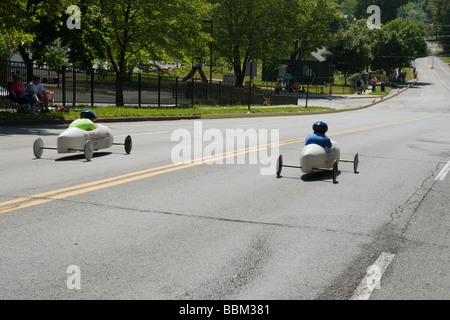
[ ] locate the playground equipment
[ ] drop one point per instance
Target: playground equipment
(197, 64)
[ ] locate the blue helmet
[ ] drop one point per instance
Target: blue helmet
(320, 126)
(88, 114)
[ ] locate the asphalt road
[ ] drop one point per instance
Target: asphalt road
(139, 227)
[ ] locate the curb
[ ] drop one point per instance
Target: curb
(58, 122)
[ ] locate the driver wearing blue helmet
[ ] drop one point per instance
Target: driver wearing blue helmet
(318, 136)
(86, 121)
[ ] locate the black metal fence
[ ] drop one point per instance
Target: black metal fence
(72, 86)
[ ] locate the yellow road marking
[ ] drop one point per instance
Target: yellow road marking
(45, 197)
(442, 81)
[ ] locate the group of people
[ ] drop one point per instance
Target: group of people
(361, 87)
(34, 96)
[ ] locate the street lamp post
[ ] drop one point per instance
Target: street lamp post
(210, 49)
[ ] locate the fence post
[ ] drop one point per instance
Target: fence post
(176, 92)
(117, 88)
(192, 98)
(74, 86)
(232, 94)
(139, 89)
(220, 92)
(253, 95)
(63, 74)
(207, 88)
(159, 90)
(92, 87)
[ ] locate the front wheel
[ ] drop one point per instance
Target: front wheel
(38, 148)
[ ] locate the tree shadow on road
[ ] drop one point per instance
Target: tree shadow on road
(41, 130)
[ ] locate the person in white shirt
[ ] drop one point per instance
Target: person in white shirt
(38, 88)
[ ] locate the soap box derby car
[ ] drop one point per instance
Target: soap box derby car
(74, 140)
(318, 158)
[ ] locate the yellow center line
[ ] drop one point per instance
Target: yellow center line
(442, 81)
(58, 194)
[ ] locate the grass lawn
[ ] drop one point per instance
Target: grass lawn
(379, 92)
(446, 57)
(134, 112)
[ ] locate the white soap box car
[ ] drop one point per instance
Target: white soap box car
(317, 158)
(78, 140)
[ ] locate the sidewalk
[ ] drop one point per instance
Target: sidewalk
(340, 102)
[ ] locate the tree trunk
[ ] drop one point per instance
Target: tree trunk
(238, 72)
(28, 62)
(293, 62)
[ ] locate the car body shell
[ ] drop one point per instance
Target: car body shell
(73, 139)
(314, 157)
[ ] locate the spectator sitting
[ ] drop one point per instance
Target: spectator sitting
(18, 94)
(36, 87)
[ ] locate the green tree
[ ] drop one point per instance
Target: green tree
(267, 30)
(350, 50)
(140, 31)
(438, 14)
(397, 43)
(412, 11)
(347, 7)
(244, 30)
(389, 9)
(30, 26)
(309, 28)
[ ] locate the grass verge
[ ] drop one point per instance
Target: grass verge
(135, 112)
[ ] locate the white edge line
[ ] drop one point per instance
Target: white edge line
(142, 134)
(373, 277)
(443, 173)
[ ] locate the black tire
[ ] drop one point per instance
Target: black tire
(356, 163)
(128, 144)
(279, 165)
(335, 171)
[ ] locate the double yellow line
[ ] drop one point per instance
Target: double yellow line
(58, 194)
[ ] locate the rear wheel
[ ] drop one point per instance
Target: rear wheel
(128, 144)
(279, 165)
(88, 150)
(356, 163)
(335, 171)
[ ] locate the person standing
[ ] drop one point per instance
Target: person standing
(374, 84)
(359, 86)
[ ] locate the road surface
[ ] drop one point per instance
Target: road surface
(140, 227)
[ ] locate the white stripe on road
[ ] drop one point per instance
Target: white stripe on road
(373, 277)
(443, 173)
(142, 134)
